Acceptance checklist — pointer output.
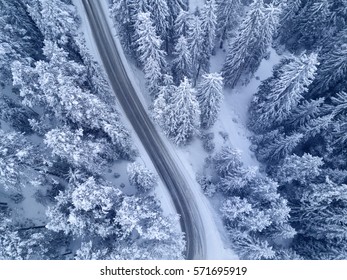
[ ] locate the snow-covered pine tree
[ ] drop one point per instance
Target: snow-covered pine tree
(56, 19)
(227, 160)
(195, 44)
(210, 96)
(280, 148)
(249, 46)
(290, 8)
(252, 248)
(182, 119)
(175, 8)
(280, 94)
(19, 37)
(70, 146)
(160, 15)
(57, 84)
(141, 177)
(332, 71)
(307, 110)
(302, 169)
(122, 19)
(208, 27)
(17, 159)
(228, 13)
(150, 54)
(312, 24)
(182, 62)
(182, 23)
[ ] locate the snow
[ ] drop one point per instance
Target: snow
(193, 4)
(234, 109)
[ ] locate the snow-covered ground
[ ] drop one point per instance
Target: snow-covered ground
(193, 4)
(234, 109)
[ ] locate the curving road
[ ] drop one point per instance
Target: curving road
(171, 175)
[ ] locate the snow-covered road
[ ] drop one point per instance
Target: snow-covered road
(198, 221)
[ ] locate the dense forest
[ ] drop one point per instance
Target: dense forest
(295, 206)
(61, 131)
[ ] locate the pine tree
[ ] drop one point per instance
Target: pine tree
(195, 43)
(182, 62)
(208, 27)
(210, 96)
(55, 19)
(121, 14)
(79, 152)
(310, 26)
(253, 248)
(182, 23)
(19, 38)
(150, 54)
(287, 18)
(227, 160)
(160, 16)
(140, 177)
(228, 13)
(182, 118)
(175, 8)
(332, 71)
(280, 148)
(306, 111)
(281, 93)
(250, 44)
(316, 126)
(18, 160)
(301, 169)
(58, 85)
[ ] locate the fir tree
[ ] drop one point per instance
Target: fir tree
(301, 169)
(208, 26)
(182, 62)
(182, 23)
(250, 44)
(182, 118)
(228, 13)
(210, 95)
(332, 71)
(310, 26)
(279, 95)
(195, 43)
(150, 54)
(140, 177)
(306, 111)
(280, 148)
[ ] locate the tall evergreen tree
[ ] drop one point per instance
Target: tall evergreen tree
(250, 44)
(160, 15)
(228, 13)
(150, 54)
(182, 62)
(210, 95)
(182, 23)
(183, 113)
(312, 24)
(280, 148)
(195, 43)
(208, 27)
(281, 93)
(332, 71)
